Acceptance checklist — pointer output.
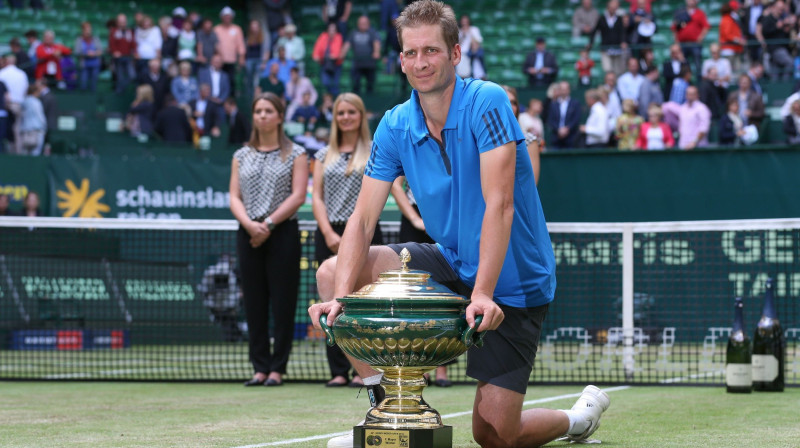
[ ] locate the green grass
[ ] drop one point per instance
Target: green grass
(50, 414)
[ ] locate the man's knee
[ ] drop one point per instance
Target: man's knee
(487, 437)
(325, 274)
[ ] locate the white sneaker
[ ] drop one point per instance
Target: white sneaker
(592, 403)
(345, 441)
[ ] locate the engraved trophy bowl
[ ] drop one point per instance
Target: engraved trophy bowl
(403, 325)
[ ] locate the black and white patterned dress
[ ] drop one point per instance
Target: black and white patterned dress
(265, 180)
(340, 190)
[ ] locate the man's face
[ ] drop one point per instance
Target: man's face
(611, 79)
(633, 66)
(691, 4)
(363, 23)
(227, 19)
(216, 62)
(154, 65)
(565, 90)
(691, 94)
(49, 38)
(122, 21)
(426, 60)
(205, 91)
(675, 52)
(586, 4)
(540, 46)
(612, 7)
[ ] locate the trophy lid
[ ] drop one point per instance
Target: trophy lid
(405, 284)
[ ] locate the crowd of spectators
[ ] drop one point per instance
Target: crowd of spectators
(181, 55)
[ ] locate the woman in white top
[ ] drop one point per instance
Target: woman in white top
(337, 182)
(269, 177)
(467, 34)
(148, 43)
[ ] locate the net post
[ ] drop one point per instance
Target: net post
(627, 301)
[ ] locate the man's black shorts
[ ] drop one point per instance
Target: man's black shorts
(506, 358)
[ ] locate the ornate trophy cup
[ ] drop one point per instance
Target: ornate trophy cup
(403, 325)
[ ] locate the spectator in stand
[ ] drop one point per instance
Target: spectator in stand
(121, 44)
(89, 50)
(49, 104)
(678, 93)
(786, 108)
(791, 124)
(366, 45)
(306, 113)
(647, 60)
(256, 55)
(731, 126)
(285, 65)
(673, 67)
(750, 18)
(159, 81)
(467, 34)
(649, 92)
(475, 54)
(630, 83)
(533, 143)
(33, 123)
(584, 19)
(169, 40)
(172, 124)
(294, 45)
(596, 128)
(641, 26)
(694, 121)
(276, 12)
(239, 128)
(563, 119)
(207, 113)
(48, 59)
(326, 109)
(613, 39)
(32, 36)
(540, 65)
(215, 76)
(530, 120)
(711, 94)
(16, 83)
(774, 34)
(24, 62)
(755, 73)
(723, 66)
(337, 182)
(614, 104)
(299, 85)
(690, 26)
(328, 54)
(751, 104)
(187, 42)
(271, 83)
(148, 43)
(207, 42)
(584, 66)
(627, 127)
(654, 134)
(184, 88)
(231, 45)
(3, 127)
(337, 12)
(139, 120)
(731, 39)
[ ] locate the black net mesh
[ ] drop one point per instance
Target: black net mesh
(150, 304)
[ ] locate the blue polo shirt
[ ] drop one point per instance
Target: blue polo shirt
(446, 183)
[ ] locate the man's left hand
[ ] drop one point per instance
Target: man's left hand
(483, 305)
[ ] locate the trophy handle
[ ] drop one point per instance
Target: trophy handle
(329, 338)
(472, 336)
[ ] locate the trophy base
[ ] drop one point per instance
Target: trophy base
(369, 437)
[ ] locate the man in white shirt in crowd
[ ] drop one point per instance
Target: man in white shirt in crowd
(723, 66)
(16, 82)
(597, 127)
(215, 77)
(630, 82)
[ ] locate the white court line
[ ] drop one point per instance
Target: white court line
(453, 415)
(691, 377)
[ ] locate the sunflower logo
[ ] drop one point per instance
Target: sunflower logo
(78, 200)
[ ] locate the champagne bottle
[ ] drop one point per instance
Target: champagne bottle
(769, 347)
(738, 368)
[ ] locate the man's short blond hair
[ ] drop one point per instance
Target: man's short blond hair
(429, 12)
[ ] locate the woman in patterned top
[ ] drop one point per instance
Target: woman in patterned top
(337, 182)
(269, 176)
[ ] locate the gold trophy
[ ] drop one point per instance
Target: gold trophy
(403, 325)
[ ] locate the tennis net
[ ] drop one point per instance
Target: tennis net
(110, 299)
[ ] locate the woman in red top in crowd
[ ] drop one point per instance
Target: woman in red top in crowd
(328, 54)
(48, 57)
(731, 41)
(655, 134)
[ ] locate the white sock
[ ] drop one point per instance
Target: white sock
(577, 422)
